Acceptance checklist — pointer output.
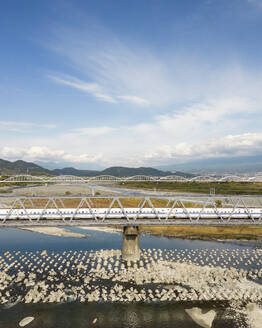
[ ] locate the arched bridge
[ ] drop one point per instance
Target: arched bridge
(20, 179)
(95, 211)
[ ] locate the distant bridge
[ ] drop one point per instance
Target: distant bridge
(97, 211)
(71, 179)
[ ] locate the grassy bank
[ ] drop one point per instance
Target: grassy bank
(196, 232)
(226, 188)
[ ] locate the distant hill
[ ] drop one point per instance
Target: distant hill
(119, 171)
(22, 167)
(76, 172)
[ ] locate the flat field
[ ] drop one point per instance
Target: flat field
(221, 188)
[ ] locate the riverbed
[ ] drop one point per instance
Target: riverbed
(100, 251)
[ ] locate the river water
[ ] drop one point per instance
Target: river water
(99, 314)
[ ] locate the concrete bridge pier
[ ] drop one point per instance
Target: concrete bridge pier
(130, 244)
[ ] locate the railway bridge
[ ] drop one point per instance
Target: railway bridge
(130, 213)
(71, 179)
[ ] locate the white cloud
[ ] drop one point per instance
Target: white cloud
(36, 153)
(213, 127)
(227, 146)
(93, 132)
(200, 108)
(23, 126)
(211, 111)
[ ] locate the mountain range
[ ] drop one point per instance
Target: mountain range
(243, 164)
(23, 167)
(239, 164)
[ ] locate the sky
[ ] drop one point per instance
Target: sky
(132, 83)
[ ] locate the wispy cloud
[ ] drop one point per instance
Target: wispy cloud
(75, 83)
(105, 98)
(117, 72)
(23, 126)
(95, 90)
(91, 88)
(134, 100)
(93, 132)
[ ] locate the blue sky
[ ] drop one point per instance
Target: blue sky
(148, 82)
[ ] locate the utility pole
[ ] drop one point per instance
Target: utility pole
(212, 191)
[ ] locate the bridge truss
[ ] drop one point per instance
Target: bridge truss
(93, 211)
(20, 179)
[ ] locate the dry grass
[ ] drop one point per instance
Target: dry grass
(225, 188)
(96, 203)
(236, 232)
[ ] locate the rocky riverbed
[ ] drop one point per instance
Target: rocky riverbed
(103, 276)
(218, 285)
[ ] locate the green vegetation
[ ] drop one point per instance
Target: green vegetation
(226, 188)
(21, 167)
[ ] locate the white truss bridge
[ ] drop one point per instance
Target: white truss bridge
(16, 179)
(95, 211)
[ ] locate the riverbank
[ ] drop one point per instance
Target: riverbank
(221, 188)
(236, 233)
(50, 190)
(245, 233)
(55, 231)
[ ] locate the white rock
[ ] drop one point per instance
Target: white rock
(254, 315)
(203, 320)
(44, 253)
(26, 321)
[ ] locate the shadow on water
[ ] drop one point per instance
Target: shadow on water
(109, 315)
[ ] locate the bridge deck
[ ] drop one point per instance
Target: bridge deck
(123, 222)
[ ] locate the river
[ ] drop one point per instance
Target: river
(108, 314)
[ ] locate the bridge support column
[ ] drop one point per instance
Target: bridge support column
(130, 244)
